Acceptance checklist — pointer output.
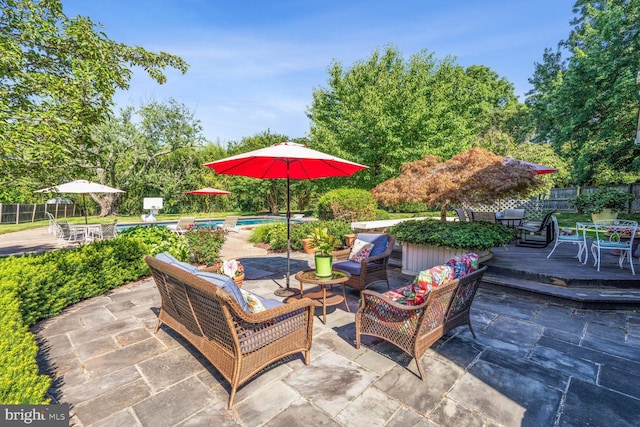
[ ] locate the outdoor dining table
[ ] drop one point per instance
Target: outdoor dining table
(89, 231)
(584, 227)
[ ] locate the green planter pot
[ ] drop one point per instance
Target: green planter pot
(323, 265)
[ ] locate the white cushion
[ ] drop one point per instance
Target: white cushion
(360, 250)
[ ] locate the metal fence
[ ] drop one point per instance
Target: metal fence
(17, 213)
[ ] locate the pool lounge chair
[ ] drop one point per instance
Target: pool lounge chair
(230, 224)
(183, 225)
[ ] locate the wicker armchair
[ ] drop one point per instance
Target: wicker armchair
(415, 328)
(371, 269)
(238, 344)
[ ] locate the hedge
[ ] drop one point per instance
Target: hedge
(36, 287)
(276, 234)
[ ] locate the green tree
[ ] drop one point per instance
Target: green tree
(253, 194)
(149, 152)
(586, 104)
(58, 76)
(386, 111)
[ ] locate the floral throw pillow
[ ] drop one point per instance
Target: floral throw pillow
(255, 305)
(464, 264)
(360, 250)
(434, 277)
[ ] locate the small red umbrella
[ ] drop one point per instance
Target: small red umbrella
(286, 160)
(539, 169)
(208, 191)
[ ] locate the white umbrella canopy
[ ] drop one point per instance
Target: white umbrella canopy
(80, 186)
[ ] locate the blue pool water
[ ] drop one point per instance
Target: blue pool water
(214, 222)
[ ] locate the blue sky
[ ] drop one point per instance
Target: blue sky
(255, 64)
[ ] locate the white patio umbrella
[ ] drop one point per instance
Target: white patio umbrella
(80, 186)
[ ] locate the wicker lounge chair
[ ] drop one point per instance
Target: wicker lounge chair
(415, 328)
(238, 344)
(371, 269)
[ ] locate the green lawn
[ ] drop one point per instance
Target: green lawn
(564, 219)
(11, 228)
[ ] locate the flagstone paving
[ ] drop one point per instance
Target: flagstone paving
(533, 363)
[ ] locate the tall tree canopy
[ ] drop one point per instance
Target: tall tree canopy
(386, 111)
(146, 153)
(586, 104)
(58, 76)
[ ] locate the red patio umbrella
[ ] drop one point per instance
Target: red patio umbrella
(286, 160)
(539, 169)
(208, 191)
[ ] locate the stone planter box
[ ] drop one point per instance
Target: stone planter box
(416, 258)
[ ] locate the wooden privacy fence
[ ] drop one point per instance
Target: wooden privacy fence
(17, 213)
(557, 198)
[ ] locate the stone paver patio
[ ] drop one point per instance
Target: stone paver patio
(533, 364)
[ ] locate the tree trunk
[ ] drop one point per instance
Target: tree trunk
(443, 212)
(106, 204)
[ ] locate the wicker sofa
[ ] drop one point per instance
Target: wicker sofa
(204, 308)
(416, 316)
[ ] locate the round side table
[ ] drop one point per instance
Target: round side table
(321, 298)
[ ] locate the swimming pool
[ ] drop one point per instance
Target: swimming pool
(205, 223)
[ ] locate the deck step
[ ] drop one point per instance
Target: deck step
(591, 298)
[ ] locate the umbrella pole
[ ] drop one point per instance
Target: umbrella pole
(84, 202)
(287, 291)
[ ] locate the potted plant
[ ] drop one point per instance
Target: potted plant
(323, 243)
(602, 204)
(307, 245)
(429, 242)
(231, 268)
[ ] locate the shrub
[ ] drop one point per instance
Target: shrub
(381, 214)
(160, 239)
(20, 382)
(276, 234)
(346, 204)
(205, 244)
(605, 198)
(458, 235)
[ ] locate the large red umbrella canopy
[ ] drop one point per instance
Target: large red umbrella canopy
(286, 160)
(538, 169)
